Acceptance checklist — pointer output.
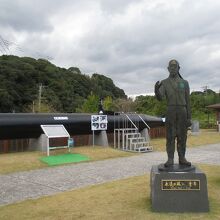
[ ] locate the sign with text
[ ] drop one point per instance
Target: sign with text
(180, 184)
(99, 122)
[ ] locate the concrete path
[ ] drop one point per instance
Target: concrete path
(20, 186)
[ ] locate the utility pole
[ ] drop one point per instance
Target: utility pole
(40, 91)
(205, 90)
(33, 110)
(39, 97)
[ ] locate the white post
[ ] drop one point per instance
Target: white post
(93, 138)
(48, 147)
(123, 140)
(114, 139)
(118, 138)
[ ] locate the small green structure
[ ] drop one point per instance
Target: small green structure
(54, 160)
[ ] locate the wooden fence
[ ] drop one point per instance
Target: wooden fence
(21, 145)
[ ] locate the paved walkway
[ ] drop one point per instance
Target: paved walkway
(20, 186)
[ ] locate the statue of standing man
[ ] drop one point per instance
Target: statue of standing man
(178, 117)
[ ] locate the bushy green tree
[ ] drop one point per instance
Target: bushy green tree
(35, 107)
(90, 105)
(104, 86)
(108, 103)
(150, 105)
(64, 90)
(125, 105)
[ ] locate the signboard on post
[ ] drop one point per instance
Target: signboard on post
(99, 122)
(54, 131)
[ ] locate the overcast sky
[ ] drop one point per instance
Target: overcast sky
(130, 41)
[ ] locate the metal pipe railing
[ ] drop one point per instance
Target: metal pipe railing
(144, 122)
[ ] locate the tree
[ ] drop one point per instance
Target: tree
(150, 105)
(74, 70)
(65, 89)
(108, 104)
(44, 107)
(90, 105)
(125, 105)
(104, 86)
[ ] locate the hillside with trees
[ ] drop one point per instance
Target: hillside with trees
(28, 85)
(199, 102)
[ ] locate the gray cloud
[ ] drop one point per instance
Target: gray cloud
(26, 15)
(115, 6)
(129, 41)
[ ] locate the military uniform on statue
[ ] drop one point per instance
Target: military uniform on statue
(178, 117)
(177, 187)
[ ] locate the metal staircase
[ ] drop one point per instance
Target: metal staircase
(127, 135)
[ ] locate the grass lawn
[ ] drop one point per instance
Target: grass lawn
(206, 136)
(22, 161)
(123, 199)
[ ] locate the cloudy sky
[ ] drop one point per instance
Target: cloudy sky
(130, 41)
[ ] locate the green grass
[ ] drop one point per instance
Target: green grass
(123, 199)
(24, 161)
(206, 136)
(63, 159)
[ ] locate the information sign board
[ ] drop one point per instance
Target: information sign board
(99, 122)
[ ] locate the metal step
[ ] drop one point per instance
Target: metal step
(144, 149)
(133, 135)
(140, 142)
(136, 140)
(130, 139)
(126, 129)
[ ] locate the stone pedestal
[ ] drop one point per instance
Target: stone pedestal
(178, 190)
(100, 139)
(145, 134)
(39, 144)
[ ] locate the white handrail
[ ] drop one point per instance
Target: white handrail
(131, 121)
(144, 122)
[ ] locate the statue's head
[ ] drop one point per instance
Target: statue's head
(173, 68)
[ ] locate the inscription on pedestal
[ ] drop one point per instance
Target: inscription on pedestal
(180, 185)
(178, 191)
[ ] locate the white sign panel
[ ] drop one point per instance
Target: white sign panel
(55, 131)
(99, 122)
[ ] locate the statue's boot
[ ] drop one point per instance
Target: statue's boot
(169, 162)
(183, 161)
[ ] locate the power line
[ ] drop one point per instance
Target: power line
(2, 47)
(1, 50)
(5, 43)
(5, 46)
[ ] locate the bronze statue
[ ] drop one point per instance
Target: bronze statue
(178, 116)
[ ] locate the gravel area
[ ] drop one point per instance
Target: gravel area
(20, 186)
